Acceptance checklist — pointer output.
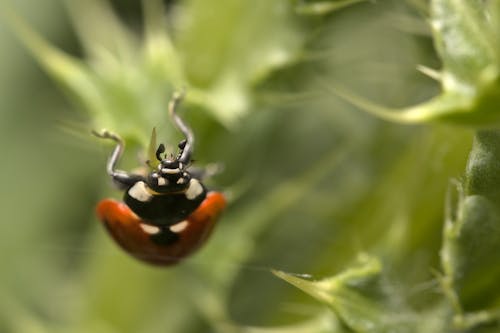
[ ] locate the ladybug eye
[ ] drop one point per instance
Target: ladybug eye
(159, 151)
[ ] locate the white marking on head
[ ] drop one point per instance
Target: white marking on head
(140, 192)
(179, 227)
(181, 181)
(194, 189)
(149, 229)
(162, 181)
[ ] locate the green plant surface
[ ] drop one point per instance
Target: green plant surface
(338, 220)
(466, 39)
(471, 240)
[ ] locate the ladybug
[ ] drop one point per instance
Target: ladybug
(166, 213)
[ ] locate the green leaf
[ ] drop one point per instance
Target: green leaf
(125, 74)
(323, 323)
(247, 41)
(356, 295)
(467, 39)
(103, 35)
(471, 250)
(65, 69)
(112, 85)
(152, 160)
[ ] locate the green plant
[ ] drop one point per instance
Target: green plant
(363, 206)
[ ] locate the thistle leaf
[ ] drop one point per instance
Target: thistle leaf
(470, 255)
(356, 295)
(468, 42)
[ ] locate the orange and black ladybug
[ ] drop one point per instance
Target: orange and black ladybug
(167, 213)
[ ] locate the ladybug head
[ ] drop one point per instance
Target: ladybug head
(168, 163)
(171, 174)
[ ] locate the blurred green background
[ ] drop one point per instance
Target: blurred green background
(312, 180)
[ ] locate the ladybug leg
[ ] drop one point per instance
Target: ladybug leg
(122, 178)
(186, 145)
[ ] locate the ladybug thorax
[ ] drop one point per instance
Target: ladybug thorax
(167, 203)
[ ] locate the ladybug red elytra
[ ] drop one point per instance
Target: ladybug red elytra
(167, 213)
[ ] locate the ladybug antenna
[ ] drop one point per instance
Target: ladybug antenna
(159, 151)
(186, 145)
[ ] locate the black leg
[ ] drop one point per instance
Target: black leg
(123, 178)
